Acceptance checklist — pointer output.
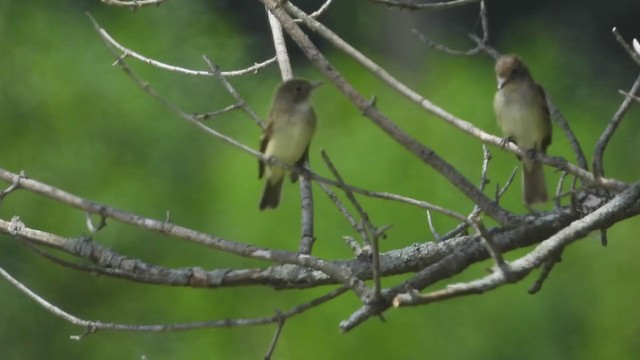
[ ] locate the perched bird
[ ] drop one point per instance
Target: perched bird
(522, 113)
(290, 127)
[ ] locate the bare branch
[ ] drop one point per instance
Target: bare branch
(559, 186)
(475, 213)
(334, 198)
(180, 232)
(432, 228)
(480, 44)
(598, 153)
(405, 5)
(213, 114)
(362, 229)
(573, 140)
(321, 10)
(545, 270)
(492, 248)
(281, 48)
(634, 56)
(276, 336)
(13, 187)
(134, 4)
(548, 248)
(636, 98)
(408, 142)
(434, 45)
(130, 53)
(215, 70)
(93, 326)
(425, 154)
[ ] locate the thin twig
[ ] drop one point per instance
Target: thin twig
(545, 270)
(481, 42)
(442, 48)
(432, 228)
(500, 191)
(636, 98)
(363, 214)
(353, 244)
(492, 248)
(93, 228)
(343, 210)
(130, 53)
(213, 114)
(15, 185)
(215, 70)
(281, 47)
(134, 4)
(573, 140)
(598, 153)
(93, 326)
(369, 232)
(475, 212)
(404, 5)
(558, 196)
(375, 262)
(276, 336)
(604, 240)
(321, 10)
(634, 56)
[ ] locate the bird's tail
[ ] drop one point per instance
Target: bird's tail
(533, 184)
(271, 196)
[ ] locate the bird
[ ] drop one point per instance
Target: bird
(286, 137)
(522, 113)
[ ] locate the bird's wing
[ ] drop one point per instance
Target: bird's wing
(264, 140)
(546, 141)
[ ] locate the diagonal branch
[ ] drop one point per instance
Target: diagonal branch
(320, 61)
(424, 153)
(598, 153)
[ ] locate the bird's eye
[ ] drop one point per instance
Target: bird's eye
(298, 89)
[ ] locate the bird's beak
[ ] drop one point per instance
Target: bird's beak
(315, 84)
(501, 82)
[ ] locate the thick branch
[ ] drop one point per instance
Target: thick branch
(519, 268)
(167, 228)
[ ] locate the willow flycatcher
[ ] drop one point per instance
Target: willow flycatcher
(523, 115)
(290, 127)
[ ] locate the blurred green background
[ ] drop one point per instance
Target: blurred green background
(70, 119)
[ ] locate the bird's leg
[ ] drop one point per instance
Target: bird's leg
(531, 153)
(506, 140)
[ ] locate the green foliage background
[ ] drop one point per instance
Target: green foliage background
(70, 119)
